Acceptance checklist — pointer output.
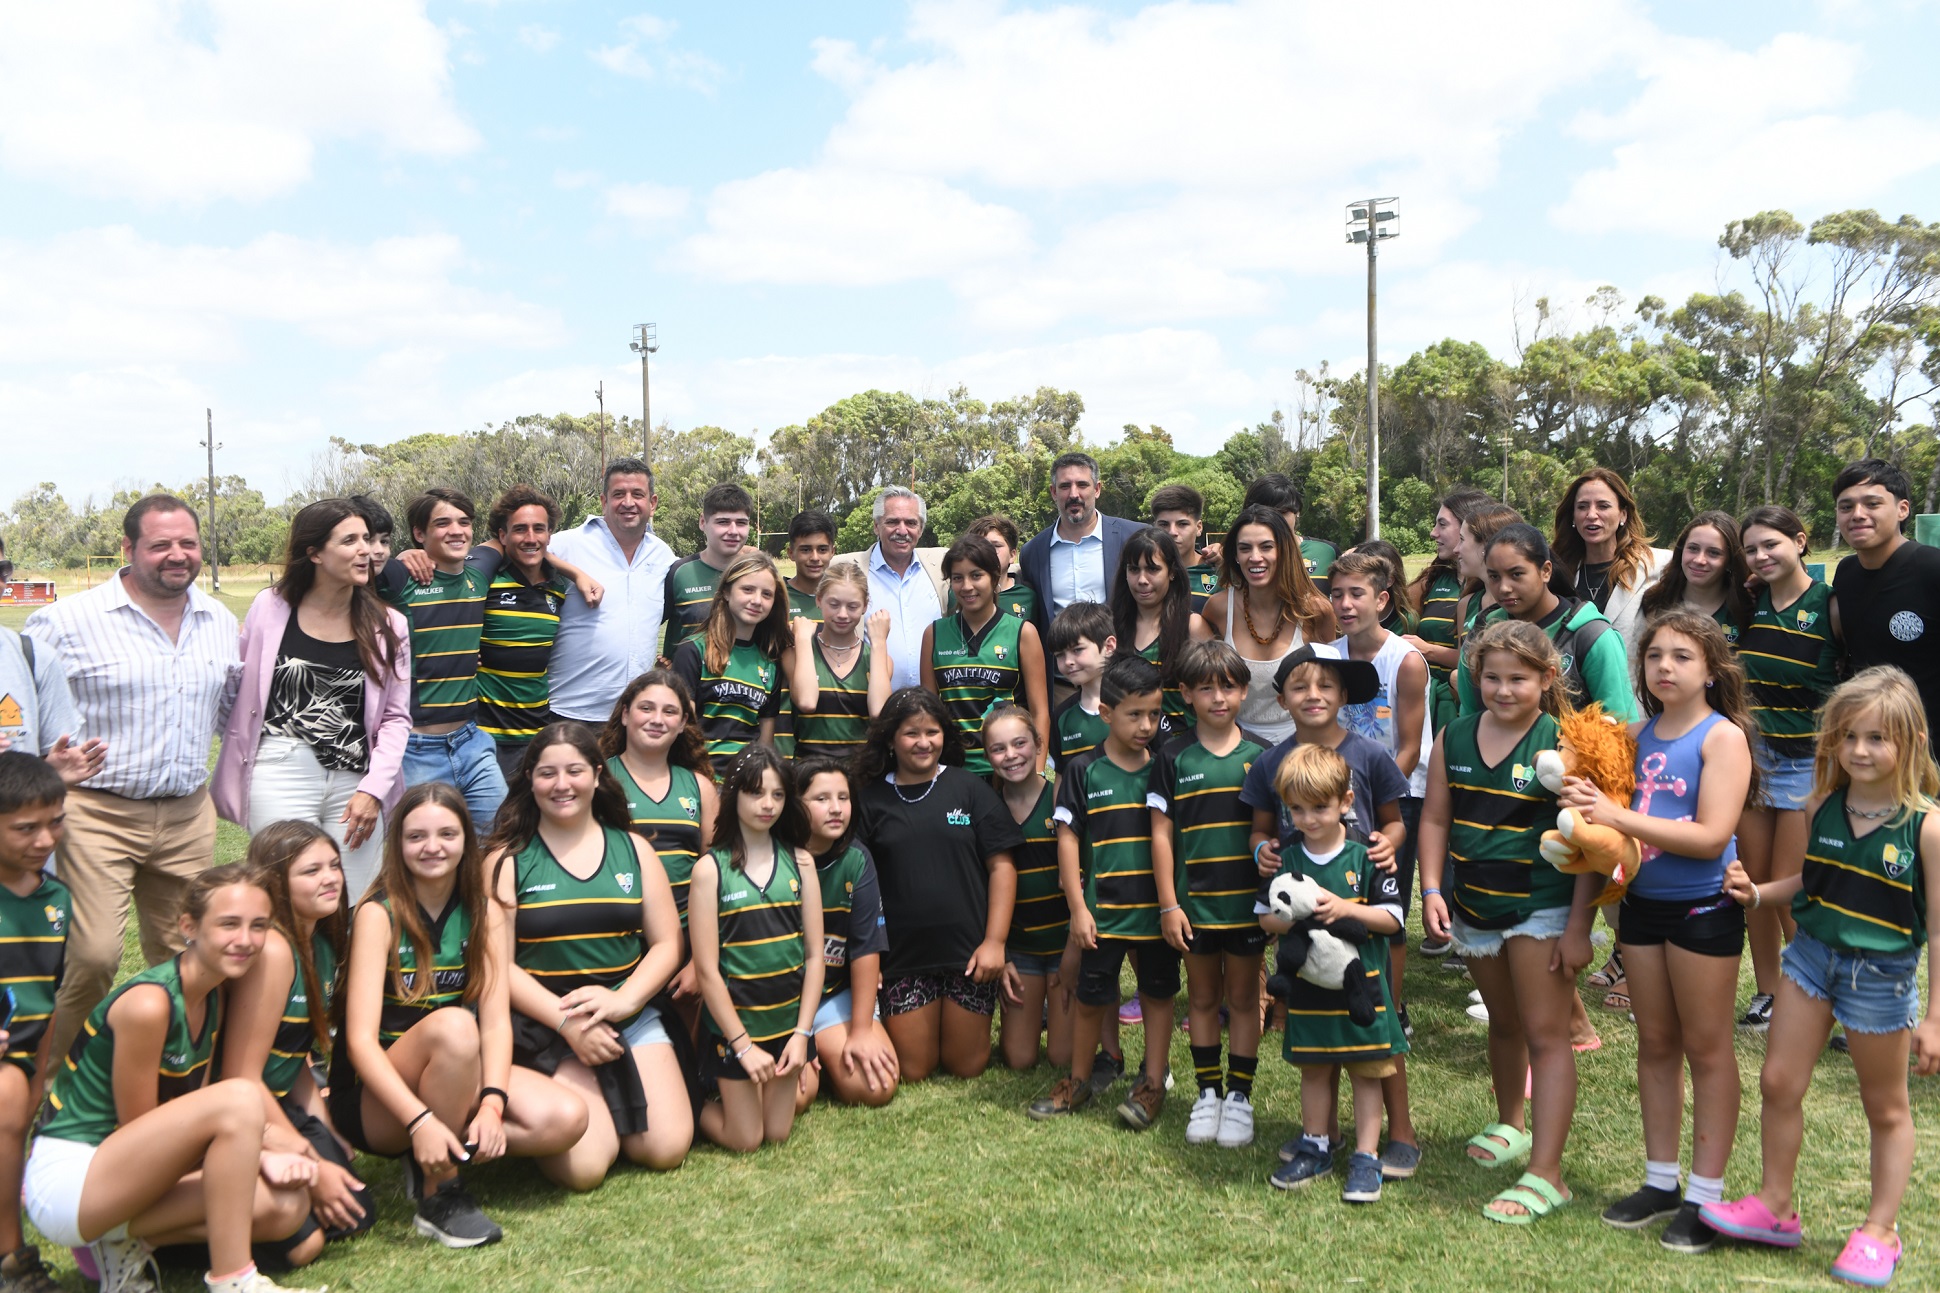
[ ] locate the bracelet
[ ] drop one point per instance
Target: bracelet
(1425, 891)
(1757, 898)
(1256, 850)
(504, 1100)
(412, 1125)
(744, 1050)
(1166, 911)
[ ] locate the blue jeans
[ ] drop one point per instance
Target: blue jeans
(467, 759)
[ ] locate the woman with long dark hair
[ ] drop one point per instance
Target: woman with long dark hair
(1708, 573)
(1602, 550)
(319, 728)
(1151, 613)
(1267, 586)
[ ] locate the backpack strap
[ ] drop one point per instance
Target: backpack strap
(1576, 643)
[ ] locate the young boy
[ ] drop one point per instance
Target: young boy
(1315, 786)
(1014, 596)
(727, 513)
(1082, 643)
(1105, 870)
(382, 527)
(1180, 511)
(34, 910)
(1199, 832)
(811, 545)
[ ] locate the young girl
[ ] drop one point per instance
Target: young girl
(423, 1063)
(838, 681)
(655, 751)
(1267, 585)
(1014, 596)
(1709, 574)
(595, 942)
(1790, 650)
(980, 656)
(1522, 926)
(1151, 609)
(1682, 936)
(1478, 529)
(734, 668)
(752, 921)
(1040, 921)
(1438, 588)
(135, 1151)
(1861, 905)
(279, 1016)
(851, 1047)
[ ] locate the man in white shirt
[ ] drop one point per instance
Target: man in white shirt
(899, 584)
(601, 649)
(154, 666)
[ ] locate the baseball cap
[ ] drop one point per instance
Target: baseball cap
(1358, 677)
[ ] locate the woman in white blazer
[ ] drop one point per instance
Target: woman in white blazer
(1603, 550)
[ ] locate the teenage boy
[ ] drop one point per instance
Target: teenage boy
(811, 546)
(447, 615)
(1889, 588)
(34, 919)
(382, 528)
(1180, 511)
(1082, 643)
(727, 514)
(1105, 869)
(1206, 881)
(1014, 596)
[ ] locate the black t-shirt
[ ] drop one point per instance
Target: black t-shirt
(930, 857)
(1593, 582)
(1892, 616)
(316, 695)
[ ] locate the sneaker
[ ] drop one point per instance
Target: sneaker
(1454, 963)
(1407, 1024)
(1236, 1121)
(1067, 1096)
(1306, 1166)
(1480, 1012)
(22, 1271)
(1131, 1012)
(1475, 996)
(1637, 1210)
(453, 1218)
(126, 1266)
(1202, 1124)
(1105, 1071)
(1750, 1220)
(1867, 1261)
(1399, 1160)
(1142, 1107)
(253, 1281)
(1363, 1179)
(1429, 947)
(1687, 1232)
(1840, 1044)
(1758, 1015)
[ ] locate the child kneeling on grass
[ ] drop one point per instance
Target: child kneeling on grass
(1315, 785)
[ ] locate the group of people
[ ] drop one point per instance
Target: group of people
(565, 848)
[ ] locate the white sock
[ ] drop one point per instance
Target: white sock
(1660, 1176)
(233, 1283)
(1705, 1189)
(1318, 1144)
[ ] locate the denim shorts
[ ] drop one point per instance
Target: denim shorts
(1784, 784)
(646, 1030)
(838, 1009)
(1869, 992)
(1033, 966)
(1550, 922)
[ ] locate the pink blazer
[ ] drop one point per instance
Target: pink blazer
(387, 712)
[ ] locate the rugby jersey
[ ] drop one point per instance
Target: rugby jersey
(671, 823)
(81, 1098)
(1214, 874)
(687, 596)
(1202, 582)
(1075, 731)
(1437, 622)
(733, 702)
(570, 933)
(1499, 814)
(1020, 599)
(450, 932)
(762, 958)
(1865, 893)
(447, 620)
(291, 1047)
(1318, 556)
(801, 604)
(975, 670)
(1176, 712)
(841, 879)
(514, 654)
(33, 955)
(1319, 1030)
(1104, 805)
(841, 717)
(1791, 665)
(1041, 920)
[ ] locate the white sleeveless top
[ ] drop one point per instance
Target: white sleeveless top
(1376, 720)
(1261, 713)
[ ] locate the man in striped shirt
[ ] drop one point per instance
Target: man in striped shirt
(154, 666)
(521, 622)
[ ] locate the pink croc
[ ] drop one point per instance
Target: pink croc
(1751, 1221)
(1867, 1261)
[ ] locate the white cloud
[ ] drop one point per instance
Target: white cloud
(538, 39)
(646, 204)
(648, 55)
(228, 99)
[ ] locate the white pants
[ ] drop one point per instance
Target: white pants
(288, 782)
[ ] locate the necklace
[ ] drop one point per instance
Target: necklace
(829, 648)
(1869, 816)
(920, 798)
(1246, 609)
(1594, 590)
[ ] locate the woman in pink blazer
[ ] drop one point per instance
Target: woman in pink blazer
(319, 728)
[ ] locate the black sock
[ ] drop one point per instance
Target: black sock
(1205, 1067)
(1239, 1073)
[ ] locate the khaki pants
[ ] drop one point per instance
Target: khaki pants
(114, 849)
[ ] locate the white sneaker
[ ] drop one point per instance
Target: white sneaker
(126, 1266)
(257, 1282)
(1202, 1124)
(1236, 1122)
(1475, 995)
(1479, 1011)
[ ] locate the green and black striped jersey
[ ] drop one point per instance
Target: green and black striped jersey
(515, 654)
(1791, 665)
(734, 701)
(1105, 807)
(672, 823)
(447, 619)
(1864, 894)
(762, 956)
(1499, 814)
(975, 670)
(295, 1040)
(570, 933)
(1041, 919)
(1437, 621)
(1203, 581)
(1213, 870)
(33, 955)
(688, 595)
(81, 1097)
(841, 717)
(450, 932)
(1075, 731)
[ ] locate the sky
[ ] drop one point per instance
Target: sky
(370, 220)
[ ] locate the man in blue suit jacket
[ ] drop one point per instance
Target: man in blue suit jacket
(1075, 560)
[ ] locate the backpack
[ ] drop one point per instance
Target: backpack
(1574, 646)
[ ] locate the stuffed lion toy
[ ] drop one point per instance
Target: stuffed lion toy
(1592, 745)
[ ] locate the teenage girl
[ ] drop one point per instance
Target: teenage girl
(1522, 926)
(1040, 922)
(1861, 902)
(734, 668)
(1151, 608)
(595, 941)
(1014, 596)
(1682, 935)
(656, 752)
(423, 1063)
(1438, 588)
(1790, 650)
(279, 1016)
(1265, 584)
(838, 681)
(980, 656)
(752, 921)
(114, 1169)
(1708, 572)
(1483, 522)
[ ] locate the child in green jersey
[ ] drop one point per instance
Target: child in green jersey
(1035, 996)
(1437, 590)
(736, 665)
(753, 919)
(1013, 595)
(839, 681)
(1180, 510)
(1204, 872)
(811, 546)
(1082, 643)
(1868, 886)
(1522, 926)
(1151, 612)
(980, 656)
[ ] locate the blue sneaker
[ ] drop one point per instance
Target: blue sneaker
(1363, 1179)
(1307, 1165)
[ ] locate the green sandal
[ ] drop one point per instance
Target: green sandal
(1537, 1198)
(1517, 1144)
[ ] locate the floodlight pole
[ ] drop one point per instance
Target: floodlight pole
(599, 393)
(645, 343)
(1373, 388)
(215, 556)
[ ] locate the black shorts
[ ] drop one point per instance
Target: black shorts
(1712, 926)
(719, 1064)
(1155, 964)
(908, 993)
(1404, 866)
(1245, 941)
(346, 1102)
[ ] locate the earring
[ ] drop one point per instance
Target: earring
(1708, 684)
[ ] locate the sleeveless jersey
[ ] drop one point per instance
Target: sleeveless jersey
(81, 1099)
(841, 717)
(1212, 864)
(973, 672)
(1499, 815)
(570, 933)
(838, 882)
(33, 954)
(449, 934)
(672, 824)
(1379, 719)
(762, 957)
(1866, 894)
(1318, 1028)
(1437, 622)
(1041, 920)
(1176, 714)
(801, 603)
(1105, 806)
(1791, 665)
(290, 1049)
(1669, 773)
(1202, 582)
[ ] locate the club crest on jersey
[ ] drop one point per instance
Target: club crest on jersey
(794, 886)
(625, 880)
(957, 817)
(1353, 880)
(55, 917)
(999, 650)
(1806, 619)
(1521, 775)
(689, 806)
(761, 674)
(1895, 862)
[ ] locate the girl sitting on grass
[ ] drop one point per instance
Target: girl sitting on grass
(1035, 999)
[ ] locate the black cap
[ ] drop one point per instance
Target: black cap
(1359, 677)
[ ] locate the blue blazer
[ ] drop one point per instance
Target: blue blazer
(1034, 567)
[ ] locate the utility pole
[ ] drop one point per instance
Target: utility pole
(1373, 222)
(600, 393)
(645, 343)
(215, 556)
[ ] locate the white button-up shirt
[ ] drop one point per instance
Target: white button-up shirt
(600, 650)
(157, 702)
(910, 598)
(1077, 567)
